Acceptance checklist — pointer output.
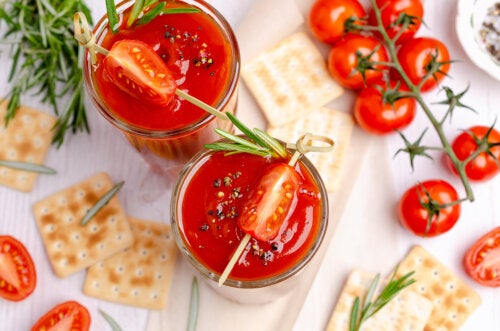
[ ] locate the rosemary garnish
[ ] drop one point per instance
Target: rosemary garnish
(101, 203)
(111, 321)
(27, 166)
(259, 143)
(371, 307)
(46, 59)
(193, 305)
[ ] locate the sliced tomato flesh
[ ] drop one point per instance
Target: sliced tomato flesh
(66, 316)
(17, 271)
(135, 68)
(269, 202)
(482, 260)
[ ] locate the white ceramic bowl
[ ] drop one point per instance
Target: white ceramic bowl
(470, 17)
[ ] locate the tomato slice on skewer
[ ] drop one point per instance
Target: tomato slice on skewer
(482, 260)
(66, 316)
(137, 70)
(17, 271)
(269, 202)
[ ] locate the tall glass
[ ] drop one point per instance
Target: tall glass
(204, 211)
(201, 51)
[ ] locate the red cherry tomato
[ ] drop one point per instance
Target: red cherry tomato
(137, 70)
(377, 116)
(269, 202)
(417, 203)
(67, 316)
(482, 260)
(17, 271)
(327, 18)
(483, 166)
(343, 60)
(416, 57)
(392, 10)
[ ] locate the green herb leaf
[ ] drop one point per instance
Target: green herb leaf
(180, 10)
(271, 142)
(354, 315)
(134, 13)
(151, 14)
(112, 15)
(101, 203)
(28, 166)
(112, 323)
(194, 304)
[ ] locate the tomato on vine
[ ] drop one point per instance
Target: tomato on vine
(327, 18)
(403, 17)
(429, 208)
(381, 110)
(356, 61)
(426, 61)
(482, 260)
(487, 163)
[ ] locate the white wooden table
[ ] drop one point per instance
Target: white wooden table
(368, 235)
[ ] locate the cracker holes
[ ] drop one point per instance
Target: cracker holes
(435, 273)
(76, 236)
(23, 178)
(19, 137)
(101, 264)
(453, 316)
(119, 237)
(50, 228)
(64, 262)
(155, 296)
(148, 232)
(116, 289)
(451, 286)
(83, 255)
(135, 293)
(466, 301)
(167, 236)
(144, 252)
(80, 194)
(163, 257)
(94, 228)
(120, 269)
(139, 272)
(112, 220)
(101, 246)
(12, 153)
(58, 245)
(5, 172)
(98, 184)
(37, 142)
(97, 284)
(63, 201)
(69, 219)
(44, 124)
(422, 289)
(159, 276)
(44, 210)
(26, 118)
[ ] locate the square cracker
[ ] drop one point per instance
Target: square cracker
(26, 138)
(71, 246)
(141, 275)
(290, 79)
(407, 311)
(452, 298)
(325, 122)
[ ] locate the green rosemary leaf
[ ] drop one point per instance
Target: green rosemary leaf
(244, 129)
(111, 321)
(194, 304)
(27, 166)
(271, 142)
(371, 292)
(235, 148)
(238, 140)
(101, 203)
(151, 14)
(112, 15)
(134, 13)
(180, 10)
(353, 322)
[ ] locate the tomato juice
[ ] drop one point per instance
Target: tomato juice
(205, 208)
(200, 51)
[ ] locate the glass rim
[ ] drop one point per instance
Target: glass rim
(184, 177)
(230, 88)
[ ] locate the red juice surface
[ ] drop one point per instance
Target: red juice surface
(212, 201)
(195, 51)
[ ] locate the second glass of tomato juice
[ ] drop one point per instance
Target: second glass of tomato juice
(201, 51)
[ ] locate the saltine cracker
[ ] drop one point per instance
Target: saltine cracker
(71, 246)
(26, 138)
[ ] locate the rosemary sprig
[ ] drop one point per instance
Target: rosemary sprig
(46, 60)
(103, 201)
(371, 307)
(194, 304)
(28, 166)
(111, 321)
(259, 142)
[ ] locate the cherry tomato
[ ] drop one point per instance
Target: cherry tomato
(482, 260)
(269, 202)
(418, 206)
(17, 271)
(66, 316)
(378, 116)
(137, 70)
(483, 166)
(343, 60)
(327, 18)
(416, 58)
(392, 10)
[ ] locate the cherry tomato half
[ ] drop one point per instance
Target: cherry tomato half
(269, 202)
(17, 271)
(343, 60)
(483, 166)
(327, 18)
(482, 260)
(377, 116)
(66, 316)
(417, 203)
(392, 10)
(418, 55)
(137, 70)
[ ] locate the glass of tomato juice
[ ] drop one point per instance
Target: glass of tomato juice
(201, 51)
(206, 203)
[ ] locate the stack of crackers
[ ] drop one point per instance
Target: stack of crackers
(128, 260)
(437, 301)
(291, 84)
